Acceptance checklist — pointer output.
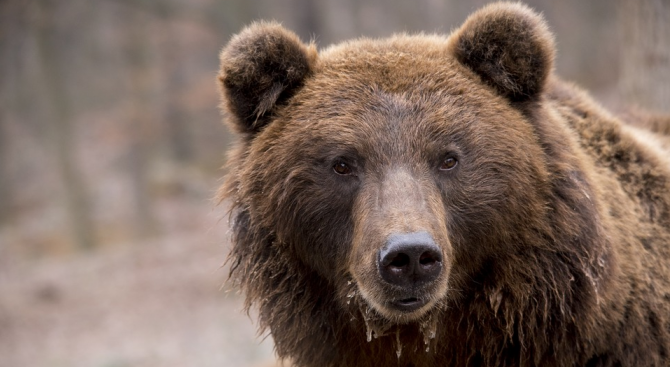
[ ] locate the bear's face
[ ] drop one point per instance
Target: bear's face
(394, 169)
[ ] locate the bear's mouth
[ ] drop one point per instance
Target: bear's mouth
(397, 305)
(409, 304)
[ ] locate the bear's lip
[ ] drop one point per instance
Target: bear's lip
(409, 304)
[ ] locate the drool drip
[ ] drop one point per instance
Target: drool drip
(350, 295)
(375, 325)
(398, 348)
(428, 328)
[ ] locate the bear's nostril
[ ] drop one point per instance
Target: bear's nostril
(399, 261)
(428, 258)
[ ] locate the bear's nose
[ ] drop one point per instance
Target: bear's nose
(410, 259)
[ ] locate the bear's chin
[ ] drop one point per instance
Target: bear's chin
(399, 310)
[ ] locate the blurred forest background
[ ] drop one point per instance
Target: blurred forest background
(111, 142)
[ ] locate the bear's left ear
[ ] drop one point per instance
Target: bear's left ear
(509, 46)
(260, 66)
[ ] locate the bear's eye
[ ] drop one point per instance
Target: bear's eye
(448, 164)
(342, 168)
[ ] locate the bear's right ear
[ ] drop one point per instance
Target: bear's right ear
(260, 66)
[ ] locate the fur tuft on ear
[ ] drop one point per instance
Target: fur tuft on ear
(260, 66)
(509, 46)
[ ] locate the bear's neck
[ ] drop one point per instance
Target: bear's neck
(494, 323)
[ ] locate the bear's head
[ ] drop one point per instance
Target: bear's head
(393, 172)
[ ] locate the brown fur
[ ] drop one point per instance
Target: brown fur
(554, 225)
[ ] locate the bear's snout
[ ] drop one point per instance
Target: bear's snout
(402, 251)
(409, 260)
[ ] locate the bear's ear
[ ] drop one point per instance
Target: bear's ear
(509, 46)
(260, 66)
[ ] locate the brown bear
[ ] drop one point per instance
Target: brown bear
(442, 201)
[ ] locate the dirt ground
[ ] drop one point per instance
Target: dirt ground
(158, 303)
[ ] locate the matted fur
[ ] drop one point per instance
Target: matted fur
(554, 226)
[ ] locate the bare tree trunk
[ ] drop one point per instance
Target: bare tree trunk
(645, 53)
(5, 193)
(179, 139)
(60, 132)
(139, 127)
(5, 190)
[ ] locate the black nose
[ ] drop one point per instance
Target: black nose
(410, 259)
